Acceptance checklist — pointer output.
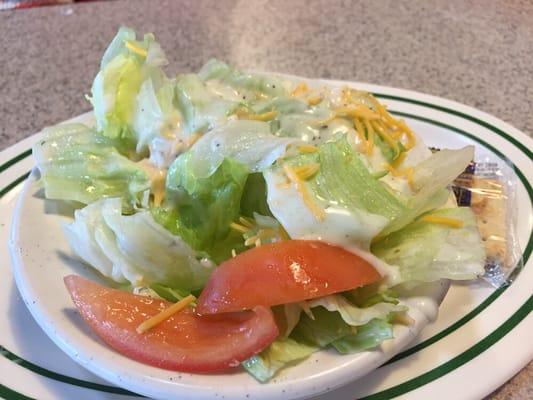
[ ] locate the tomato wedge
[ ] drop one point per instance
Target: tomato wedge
(184, 342)
(284, 272)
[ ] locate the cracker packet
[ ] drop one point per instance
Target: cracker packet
(488, 187)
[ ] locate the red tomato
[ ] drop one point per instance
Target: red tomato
(184, 342)
(284, 272)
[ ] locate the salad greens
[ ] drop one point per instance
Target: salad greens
(182, 173)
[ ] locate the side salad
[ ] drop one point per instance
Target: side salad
(246, 220)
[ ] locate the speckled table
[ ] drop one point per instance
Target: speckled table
(479, 53)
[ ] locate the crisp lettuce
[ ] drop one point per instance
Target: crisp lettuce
(367, 337)
(248, 142)
(133, 100)
(243, 82)
(200, 209)
(426, 251)
(134, 248)
(280, 354)
(202, 108)
(78, 164)
(430, 179)
(353, 315)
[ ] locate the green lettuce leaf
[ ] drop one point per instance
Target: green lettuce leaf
(321, 330)
(353, 315)
(78, 164)
(430, 179)
(135, 248)
(200, 209)
(202, 108)
(245, 141)
(367, 337)
(426, 252)
(280, 354)
(130, 93)
(245, 83)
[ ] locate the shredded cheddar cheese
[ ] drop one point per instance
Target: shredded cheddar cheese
(382, 133)
(370, 140)
(134, 49)
(307, 149)
(361, 133)
(314, 100)
(307, 171)
(165, 314)
(239, 227)
(301, 89)
(435, 219)
(318, 212)
(396, 163)
(193, 139)
(358, 111)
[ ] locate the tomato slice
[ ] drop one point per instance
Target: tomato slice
(284, 272)
(184, 342)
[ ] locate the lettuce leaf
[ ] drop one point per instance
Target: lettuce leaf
(131, 96)
(353, 315)
(426, 252)
(248, 142)
(367, 337)
(251, 83)
(200, 209)
(280, 354)
(202, 108)
(78, 164)
(134, 248)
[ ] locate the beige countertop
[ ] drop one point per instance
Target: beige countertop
(479, 53)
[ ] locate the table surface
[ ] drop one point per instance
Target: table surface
(478, 53)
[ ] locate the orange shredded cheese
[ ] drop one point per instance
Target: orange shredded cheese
(307, 171)
(165, 314)
(435, 219)
(370, 140)
(318, 212)
(301, 89)
(307, 149)
(396, 163)
(239, 227)
(314, 100)
(358, 111)
(267, 116)
(134, 49)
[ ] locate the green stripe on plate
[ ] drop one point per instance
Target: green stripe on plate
(15, 160)
(458, 361)
(20, 179)
(60, 377)
(9, 394)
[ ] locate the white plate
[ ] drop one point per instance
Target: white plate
(448, 348)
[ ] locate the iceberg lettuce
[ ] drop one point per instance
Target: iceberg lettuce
(133, 100)
(248, 142)
(280, 354)
(200, 209)
(426, 251)
(134, 248)
(78, 164)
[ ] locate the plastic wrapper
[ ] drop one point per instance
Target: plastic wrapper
(488, 186)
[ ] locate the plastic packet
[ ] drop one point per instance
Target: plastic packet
(488, 187)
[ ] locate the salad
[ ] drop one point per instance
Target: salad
(248, 220)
